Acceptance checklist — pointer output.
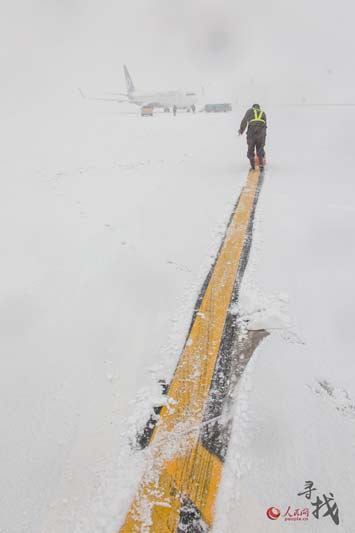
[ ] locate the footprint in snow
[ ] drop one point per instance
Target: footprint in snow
(337, 396)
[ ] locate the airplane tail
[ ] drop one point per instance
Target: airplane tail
(130, 86)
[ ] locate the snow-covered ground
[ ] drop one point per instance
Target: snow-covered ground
(110, 222)
(106, 235)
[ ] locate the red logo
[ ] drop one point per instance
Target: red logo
(273, 513)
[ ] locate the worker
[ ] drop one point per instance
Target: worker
(255, 119)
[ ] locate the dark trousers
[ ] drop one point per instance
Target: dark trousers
(256, 141)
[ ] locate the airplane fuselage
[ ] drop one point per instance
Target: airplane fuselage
(165, 100)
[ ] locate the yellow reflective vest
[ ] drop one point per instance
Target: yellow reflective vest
(258, 116)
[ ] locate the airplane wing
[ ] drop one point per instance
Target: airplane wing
(149, 103)
(101, 98)
(117, 94)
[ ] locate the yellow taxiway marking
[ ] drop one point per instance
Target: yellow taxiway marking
(179, 468)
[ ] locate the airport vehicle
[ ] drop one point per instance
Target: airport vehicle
(217, 108)
(147, 111)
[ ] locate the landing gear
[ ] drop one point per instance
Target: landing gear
(166, 110)
(174, 110)
(193, 108)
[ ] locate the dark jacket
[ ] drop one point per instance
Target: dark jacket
(249, 115)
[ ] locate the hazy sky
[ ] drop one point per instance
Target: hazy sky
(273, 51)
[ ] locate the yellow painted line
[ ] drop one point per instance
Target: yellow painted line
(178, 465)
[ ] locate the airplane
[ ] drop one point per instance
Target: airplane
(165, 100)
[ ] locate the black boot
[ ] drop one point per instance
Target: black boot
(261, 163)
